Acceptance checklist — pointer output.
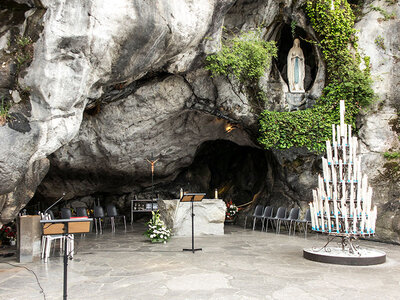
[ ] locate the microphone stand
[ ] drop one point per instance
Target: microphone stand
(45, 212)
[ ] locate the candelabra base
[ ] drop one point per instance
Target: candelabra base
(336, 255)
(348, 254)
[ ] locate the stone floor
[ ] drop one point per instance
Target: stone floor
(242, 264)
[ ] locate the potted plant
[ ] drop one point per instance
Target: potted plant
(157, 231)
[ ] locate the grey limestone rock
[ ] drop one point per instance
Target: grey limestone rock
(378, 125)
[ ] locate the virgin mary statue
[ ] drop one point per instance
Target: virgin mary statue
(296, 68)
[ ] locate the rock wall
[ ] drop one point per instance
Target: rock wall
(379, 125)
(112, 83)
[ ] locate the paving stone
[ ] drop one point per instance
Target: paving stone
(242, 264)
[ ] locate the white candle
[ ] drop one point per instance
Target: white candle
(328, 190)
(335, 211)
(216, 194)
(345, 136)
(344, 148)
(343, 193)
(329, 152)
(338, 134)
(335, 152)
(362, 221)
(313, 209)
(369, 198)
(359, 170)
(364, 189)
(349, 126)
(334, 179)
(352, 208)
(320, 200)
(348, 172)
(355, 144)
(354, 170)
(359, 184)
(333, 133)
(328, 215)
(312, 216)
(328, 171)
(342, 113)
(340, 170)
(181, 194)
(350, 139)
(354, 223)
(346, 223)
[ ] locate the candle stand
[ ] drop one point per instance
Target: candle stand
(342, 203)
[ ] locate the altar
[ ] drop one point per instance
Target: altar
(209, 216)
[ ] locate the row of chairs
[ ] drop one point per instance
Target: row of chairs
(112, 214)
(266, 216)
(98, 215)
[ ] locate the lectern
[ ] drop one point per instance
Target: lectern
(192, 197)
(66, 227)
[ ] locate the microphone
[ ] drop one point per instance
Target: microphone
(45, 212)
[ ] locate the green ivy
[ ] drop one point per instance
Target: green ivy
(391, 155)
(345, 81)
(245, 56)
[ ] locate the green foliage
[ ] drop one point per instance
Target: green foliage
(391, 155)
(23, 41)
(305, 128)
(384, 13)
(293, 25)
(345, 81)
(380, 42)
(4, 108)
(22, 51)
(246, 57)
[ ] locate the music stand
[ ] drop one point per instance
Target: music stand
(192, 197)
(66, 227)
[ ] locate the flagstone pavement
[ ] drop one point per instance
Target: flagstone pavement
(242, 264)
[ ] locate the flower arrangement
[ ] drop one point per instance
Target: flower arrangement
(7, 234)
(157, 231)
(231, 210)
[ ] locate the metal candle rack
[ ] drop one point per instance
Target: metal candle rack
(342, 203)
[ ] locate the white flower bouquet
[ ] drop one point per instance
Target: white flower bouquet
(157, 231)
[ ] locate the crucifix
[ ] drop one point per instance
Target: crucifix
(152, 162)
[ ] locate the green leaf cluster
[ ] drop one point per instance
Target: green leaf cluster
(245, 56)
(4, 107)
(391, 155)
(380, 42)
(345, 81)
(386, 16)
(4, 112)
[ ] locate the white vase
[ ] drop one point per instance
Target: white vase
(13, 242)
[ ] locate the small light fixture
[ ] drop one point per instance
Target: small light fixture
(229, 127)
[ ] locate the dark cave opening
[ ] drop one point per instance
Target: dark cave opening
(239, 173)
(285, 42)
